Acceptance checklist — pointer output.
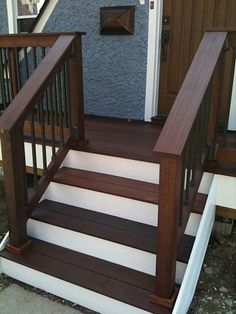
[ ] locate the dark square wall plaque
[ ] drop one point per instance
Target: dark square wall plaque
(117, 20)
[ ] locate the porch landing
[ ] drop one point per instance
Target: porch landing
(121, 138)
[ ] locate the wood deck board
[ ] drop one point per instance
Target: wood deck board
(125, 139)
(119, 230)
(65, 264)
(138, 190)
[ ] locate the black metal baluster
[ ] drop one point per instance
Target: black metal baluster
(65, 99)
(207, 113)
(43, 53)
(55, 100)
(182, 190)
(18, 50)
(52, 122)
(9, 76)
(2, 80)
(33, 145)
(46, 107)
(34, 58)
(68, 94)
(43, 135)
(188, 171)
(26, 62)
(59, 77)
(194, 152)
(8, 97)
(17, 68)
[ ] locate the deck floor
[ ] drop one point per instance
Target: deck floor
(121, 138)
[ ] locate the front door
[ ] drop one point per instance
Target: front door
(184, 22)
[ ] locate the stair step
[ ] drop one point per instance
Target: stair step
(109, 279)
(114, 229)
(120, 186)
(129, 188)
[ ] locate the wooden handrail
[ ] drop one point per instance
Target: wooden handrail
(30, 92)
(181, 151)
(32, 40)
(181, 118)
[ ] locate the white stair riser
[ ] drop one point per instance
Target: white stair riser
(112, 205)
(128, 168)
(66, 290)
(133, 169)
(110, 251)
(104, 203)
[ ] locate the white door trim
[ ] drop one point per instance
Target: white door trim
(153, 59)
(11, 13)
(232, 114)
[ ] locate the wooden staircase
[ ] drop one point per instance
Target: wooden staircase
(109, 225)
(93, 230)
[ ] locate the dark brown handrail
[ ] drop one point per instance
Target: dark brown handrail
(180, 120)
(32, 40)
(51, 99)
(181, 150)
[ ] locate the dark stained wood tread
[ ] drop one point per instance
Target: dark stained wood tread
(138, 190)
(114, 229)
(112, 280)
(134, 189)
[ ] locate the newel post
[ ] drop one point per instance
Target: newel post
(167, 234)
(76, 91)
(15, 188)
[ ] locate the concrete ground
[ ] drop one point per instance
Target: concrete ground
(17, 300)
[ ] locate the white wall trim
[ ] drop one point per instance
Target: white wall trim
(232, 114)
(153, 59)
(11, 17)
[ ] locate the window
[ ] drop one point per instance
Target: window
(22, 14)
(27, 11)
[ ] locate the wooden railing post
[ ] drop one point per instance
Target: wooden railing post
(15, 186)
(76, 91)
(167, 234)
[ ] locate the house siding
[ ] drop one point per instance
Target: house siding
(114, 66)
(3, 17)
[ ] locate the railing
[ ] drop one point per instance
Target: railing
(19, 57)
(47, 110)
(182, 149)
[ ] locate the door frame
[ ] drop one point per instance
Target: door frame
(11, 17)
(153, 59)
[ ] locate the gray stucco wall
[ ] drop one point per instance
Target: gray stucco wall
(114, 66)
(3, 17)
